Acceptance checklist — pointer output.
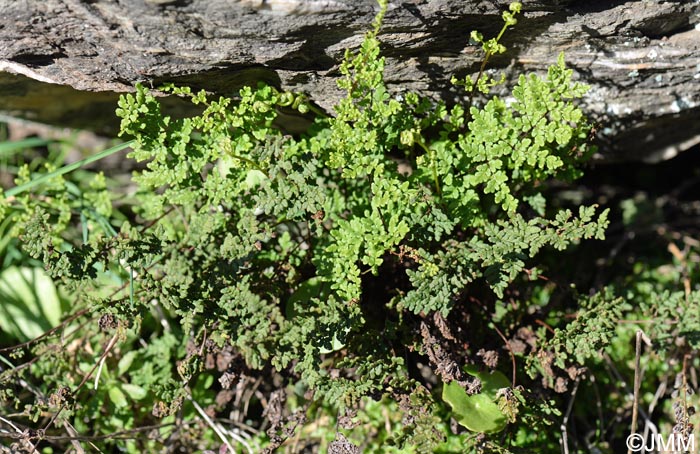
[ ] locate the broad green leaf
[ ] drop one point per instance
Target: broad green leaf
(29, 303)
(117, 396)
(125, 362)
(478, 412)
(134, 391)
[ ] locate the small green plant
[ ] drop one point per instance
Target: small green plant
(478, 412)
(366, 260)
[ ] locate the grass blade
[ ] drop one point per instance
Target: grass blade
(9, 148)
(65, 169)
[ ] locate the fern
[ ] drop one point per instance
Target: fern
(265, 244)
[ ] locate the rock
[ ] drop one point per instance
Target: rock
(69, 59)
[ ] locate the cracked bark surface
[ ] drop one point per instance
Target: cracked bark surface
(65, 61)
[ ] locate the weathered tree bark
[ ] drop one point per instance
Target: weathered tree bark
(642, 58)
